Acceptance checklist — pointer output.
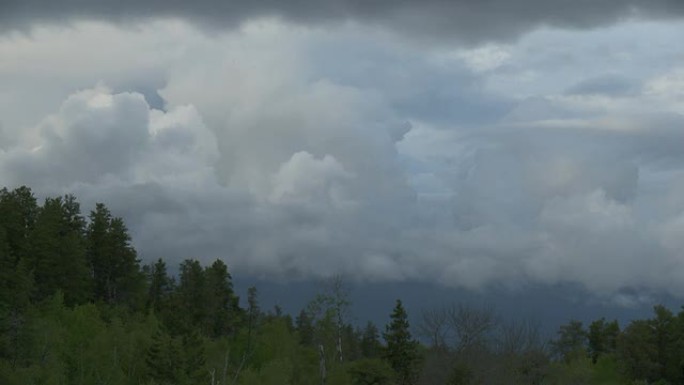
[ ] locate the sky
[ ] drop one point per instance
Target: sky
(469, 145)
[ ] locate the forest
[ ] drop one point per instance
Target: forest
(78, 306)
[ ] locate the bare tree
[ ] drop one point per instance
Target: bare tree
(520, 337)
(434, 326)
(470, 326)
(471, 344)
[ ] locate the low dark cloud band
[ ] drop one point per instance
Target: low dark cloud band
(458, 20)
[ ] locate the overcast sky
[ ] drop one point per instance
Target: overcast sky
(467, 143)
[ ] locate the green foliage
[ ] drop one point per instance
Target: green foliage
(602, 338)
(571, 341)
(460, 374)
(371, 371)
(606, 370)
(163, 359)
(575, 370)
(275, 372)
(305, 328)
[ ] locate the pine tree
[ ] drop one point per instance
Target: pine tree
(127, 278)
(160, 287)
(99, 252)
(194, 359)
(114, 265)
(18, 212)
(253, 315)
(57, 251)
(163, 359)
(17, 216)
(223, 310)
(402, 350)
(191, 296)
(7, 265)
(305, 328)
(370, 341)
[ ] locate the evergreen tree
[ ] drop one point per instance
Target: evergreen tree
(127, 278)
(57, 247)
(223, 310)
(194, 359)
(163, 359)
(370, 341)
(351, 339)
(114, 265)
(160, 286)
(402, 350)
(13, 314)
(100, 252)
(305, 328)
(18, 212)
(7, 265)
(191, 295)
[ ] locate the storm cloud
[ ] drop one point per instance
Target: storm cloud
(295, 149)
(461, 20)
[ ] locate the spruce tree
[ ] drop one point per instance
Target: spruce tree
(114, 264)
(164, 359)
(370, 341)
(194, 359)
(6, 269)
(18, 212)
(402, 350)
(305, 328)
(160, 286)
(127, 278)
(99, 252)
(223, 311)
(191, 296)
(57, 251)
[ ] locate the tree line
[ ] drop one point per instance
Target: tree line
(77, 306)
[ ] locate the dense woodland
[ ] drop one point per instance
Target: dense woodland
(78, 307)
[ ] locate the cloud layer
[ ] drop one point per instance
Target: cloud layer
(275, 149)
(462, 20)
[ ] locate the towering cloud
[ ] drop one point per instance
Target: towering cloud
(299, 149)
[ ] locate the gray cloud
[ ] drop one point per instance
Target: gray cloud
(388, 162)
(462, 20)
(520, 204)
(608, 85)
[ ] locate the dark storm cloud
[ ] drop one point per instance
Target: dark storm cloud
(463, 20)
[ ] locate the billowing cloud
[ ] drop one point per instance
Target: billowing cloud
(272, 148)
(462, 20)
